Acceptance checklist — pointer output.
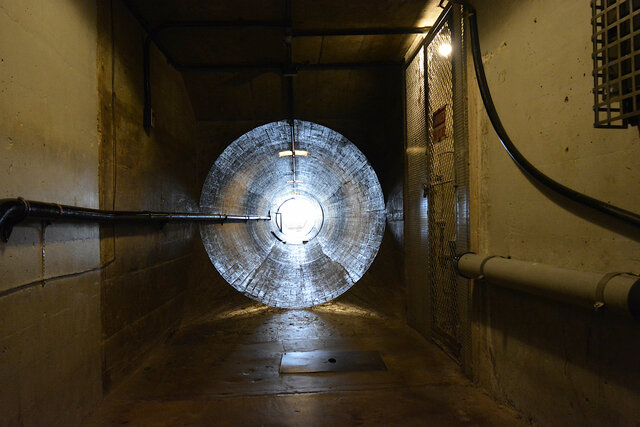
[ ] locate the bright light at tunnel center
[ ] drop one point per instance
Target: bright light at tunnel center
(298, 217)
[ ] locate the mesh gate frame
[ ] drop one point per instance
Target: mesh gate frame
(461, 167)
(440, 191)
(460, 348)
(416, 225)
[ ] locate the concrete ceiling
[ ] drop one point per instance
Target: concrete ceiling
(306, 14)
(259, 94)
(363, 104)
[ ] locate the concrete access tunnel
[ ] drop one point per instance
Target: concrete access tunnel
(303, 212)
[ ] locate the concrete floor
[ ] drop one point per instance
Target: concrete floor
(222, 369)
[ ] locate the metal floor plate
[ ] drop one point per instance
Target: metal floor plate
(331, 361)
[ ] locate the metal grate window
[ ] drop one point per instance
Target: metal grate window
(616, 59)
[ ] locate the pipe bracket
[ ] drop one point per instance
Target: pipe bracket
(456, 261)
(484, 261)
(599, 299)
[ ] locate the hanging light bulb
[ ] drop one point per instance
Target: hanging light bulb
(445, 49)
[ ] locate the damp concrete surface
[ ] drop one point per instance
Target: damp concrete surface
(223, 369)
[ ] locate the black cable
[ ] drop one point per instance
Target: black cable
(526, 166)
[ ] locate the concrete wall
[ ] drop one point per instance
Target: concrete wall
(49, 329)
(80, 307)
(555, 363)
(143, 288)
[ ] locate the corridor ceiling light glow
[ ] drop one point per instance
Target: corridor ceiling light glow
(301, 153)
(444, 49)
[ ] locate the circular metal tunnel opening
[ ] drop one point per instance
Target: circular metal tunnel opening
(298, 220)
(326, 207)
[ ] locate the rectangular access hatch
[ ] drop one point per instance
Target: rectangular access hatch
(301, 362)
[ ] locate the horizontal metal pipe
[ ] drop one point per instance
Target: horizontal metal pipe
(222, 25)
(347, 66)
(13, 211)
(283, 68)
(228, 68)
(361, 32)
(617, 292)
(215, 25)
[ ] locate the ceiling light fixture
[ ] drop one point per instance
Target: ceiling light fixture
(287, 153)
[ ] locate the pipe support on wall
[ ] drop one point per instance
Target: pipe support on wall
(617, 292)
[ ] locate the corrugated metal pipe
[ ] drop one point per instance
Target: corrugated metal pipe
(616, 292)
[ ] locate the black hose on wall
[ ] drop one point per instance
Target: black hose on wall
(526, 166)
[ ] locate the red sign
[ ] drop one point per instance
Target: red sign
(440, 124)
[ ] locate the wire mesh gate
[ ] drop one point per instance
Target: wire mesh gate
(416, 219)
(437, 221)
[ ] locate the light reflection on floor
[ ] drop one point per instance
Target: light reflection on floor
(223, 369)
